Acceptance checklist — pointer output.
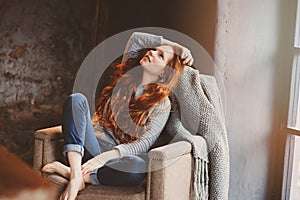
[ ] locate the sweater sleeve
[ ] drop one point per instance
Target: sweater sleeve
(159, 116)
(139, 41)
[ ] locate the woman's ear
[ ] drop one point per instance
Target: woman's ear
(161, 78)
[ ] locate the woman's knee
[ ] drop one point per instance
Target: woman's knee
(124, 171)
(135, 161)
(130, 164)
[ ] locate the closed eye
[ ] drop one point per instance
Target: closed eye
(161, 54)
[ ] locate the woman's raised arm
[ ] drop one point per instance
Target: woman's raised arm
(139, 40)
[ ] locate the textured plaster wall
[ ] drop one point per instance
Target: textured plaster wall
(253, 51)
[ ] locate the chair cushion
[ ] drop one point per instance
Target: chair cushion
(102, 192)
(112, 193)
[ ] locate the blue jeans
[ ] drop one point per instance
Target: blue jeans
(79, 136)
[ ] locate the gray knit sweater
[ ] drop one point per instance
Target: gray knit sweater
(159, 113)
(199, 114)
(199, 119)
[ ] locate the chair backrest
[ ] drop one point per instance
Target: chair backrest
(106, 78)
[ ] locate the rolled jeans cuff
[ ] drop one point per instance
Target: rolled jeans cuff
(73, 148)
(94, 177)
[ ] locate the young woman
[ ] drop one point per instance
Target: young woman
(131, 114)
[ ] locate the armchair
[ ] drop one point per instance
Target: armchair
(169, 175)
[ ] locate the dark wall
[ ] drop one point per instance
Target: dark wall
(43, 43)
(195, 18)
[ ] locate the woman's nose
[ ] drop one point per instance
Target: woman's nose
(152, 53)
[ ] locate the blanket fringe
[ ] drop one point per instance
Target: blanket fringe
(201, 179)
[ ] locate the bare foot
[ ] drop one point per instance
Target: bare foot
(87, 178)
(57, 167)
(75, 185)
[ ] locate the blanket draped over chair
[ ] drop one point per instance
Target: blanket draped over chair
(198, 112)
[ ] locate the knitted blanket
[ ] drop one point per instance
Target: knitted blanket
(198, 114)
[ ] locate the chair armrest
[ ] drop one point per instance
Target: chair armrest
(49, 133)
(170, 172)
(170, 151)
(48, 145)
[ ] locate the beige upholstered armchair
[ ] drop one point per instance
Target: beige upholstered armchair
(169, 175)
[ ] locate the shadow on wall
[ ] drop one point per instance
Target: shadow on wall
(196, 18)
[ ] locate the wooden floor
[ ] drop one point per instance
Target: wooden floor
(20, 181)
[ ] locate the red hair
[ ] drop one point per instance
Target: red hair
(120, 111)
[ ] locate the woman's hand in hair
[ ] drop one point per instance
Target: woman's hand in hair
(184, 53)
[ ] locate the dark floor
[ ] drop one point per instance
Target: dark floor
(18, 123)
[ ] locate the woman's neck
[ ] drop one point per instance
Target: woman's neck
(148, 78)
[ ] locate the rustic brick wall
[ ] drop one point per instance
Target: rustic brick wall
(42, 44)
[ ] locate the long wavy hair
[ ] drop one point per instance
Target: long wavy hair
(120, 111)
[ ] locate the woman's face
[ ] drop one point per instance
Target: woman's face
(155, 61)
